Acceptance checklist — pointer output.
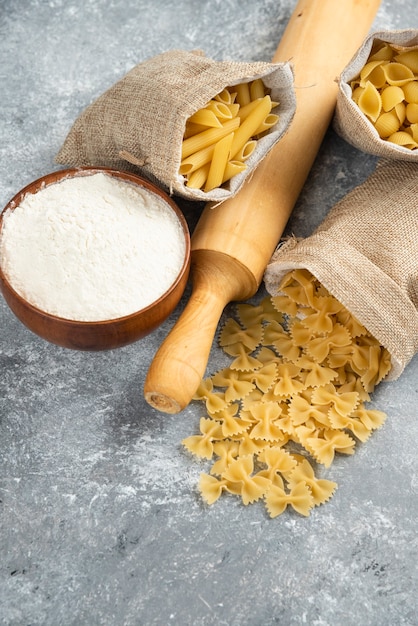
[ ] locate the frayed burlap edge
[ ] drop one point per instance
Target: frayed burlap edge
(370, 305)
(147, 138)
(383, 298)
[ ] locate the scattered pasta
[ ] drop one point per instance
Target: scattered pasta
(220, 137)
(386, 91)
(297, 400)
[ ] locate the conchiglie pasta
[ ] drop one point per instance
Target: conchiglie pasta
(387, 124)
(381, 51)
(397, 74)
(391, 96)
(414, 131)
(373, 72)
(409, 58)
(402, 138)
(400, 110)
(412, 112)
(410, 91)
(370, 102)
(386, 92)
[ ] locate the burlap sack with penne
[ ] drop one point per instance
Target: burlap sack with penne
(377, 103)
(365, 253)
(181, 112)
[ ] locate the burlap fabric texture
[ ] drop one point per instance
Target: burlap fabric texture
(138, 124)
(349, 122)
(365, 253)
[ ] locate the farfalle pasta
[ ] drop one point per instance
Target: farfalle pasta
(292, 411)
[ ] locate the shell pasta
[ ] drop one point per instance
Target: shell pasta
(386, 92)
(221, 136)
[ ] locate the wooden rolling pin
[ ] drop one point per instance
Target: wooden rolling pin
(233, 242)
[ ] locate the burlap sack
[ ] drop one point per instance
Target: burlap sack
(349, 122)
(142, 117)
(366, 254)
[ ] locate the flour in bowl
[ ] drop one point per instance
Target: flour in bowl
(91, 247)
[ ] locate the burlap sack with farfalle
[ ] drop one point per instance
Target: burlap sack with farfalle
(349, 122)
(365, 253)
(138, 124)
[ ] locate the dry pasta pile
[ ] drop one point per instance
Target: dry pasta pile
(386, 91)
(220, 137)
(292, 398)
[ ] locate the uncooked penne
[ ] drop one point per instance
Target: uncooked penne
(196, 160)
(193, 129)
(198, 178)
(219, 109)
(205, 117)
(270, 121)
(248, 127)
(207, 137)
(243, 93)
(257, 89)
(245, 110)
(232, 169)
(218, 163)
(234, 108)
(246, 150)
(225, 96)
(215, 151)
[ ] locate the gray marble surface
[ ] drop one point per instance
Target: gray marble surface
(101, 522)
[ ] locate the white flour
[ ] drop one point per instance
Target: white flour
(91, 248)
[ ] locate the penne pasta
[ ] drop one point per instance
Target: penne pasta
(207, 137)
(225, 96)
(234, 108)
(218, 163)
(219, 109)
(232, 169)
(205, 117)
(268, 123)
(196, 160)
(257, 89)
(198, 178)
(193, 129)
(243, 93)
(248, 127)
(246, 151)
(221, 136)
(245, 110)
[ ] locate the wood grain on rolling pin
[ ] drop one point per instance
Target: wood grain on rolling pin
(233, 242)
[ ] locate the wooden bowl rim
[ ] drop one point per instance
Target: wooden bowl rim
(53, 177)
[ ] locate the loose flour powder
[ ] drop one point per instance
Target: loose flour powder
(91, 247)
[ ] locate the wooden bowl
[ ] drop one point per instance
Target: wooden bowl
(97, 335)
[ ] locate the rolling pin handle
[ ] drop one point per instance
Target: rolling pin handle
(180, 363)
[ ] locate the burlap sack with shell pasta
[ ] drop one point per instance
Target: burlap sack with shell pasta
(349, 122)
(365, 253)
(138, 124)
